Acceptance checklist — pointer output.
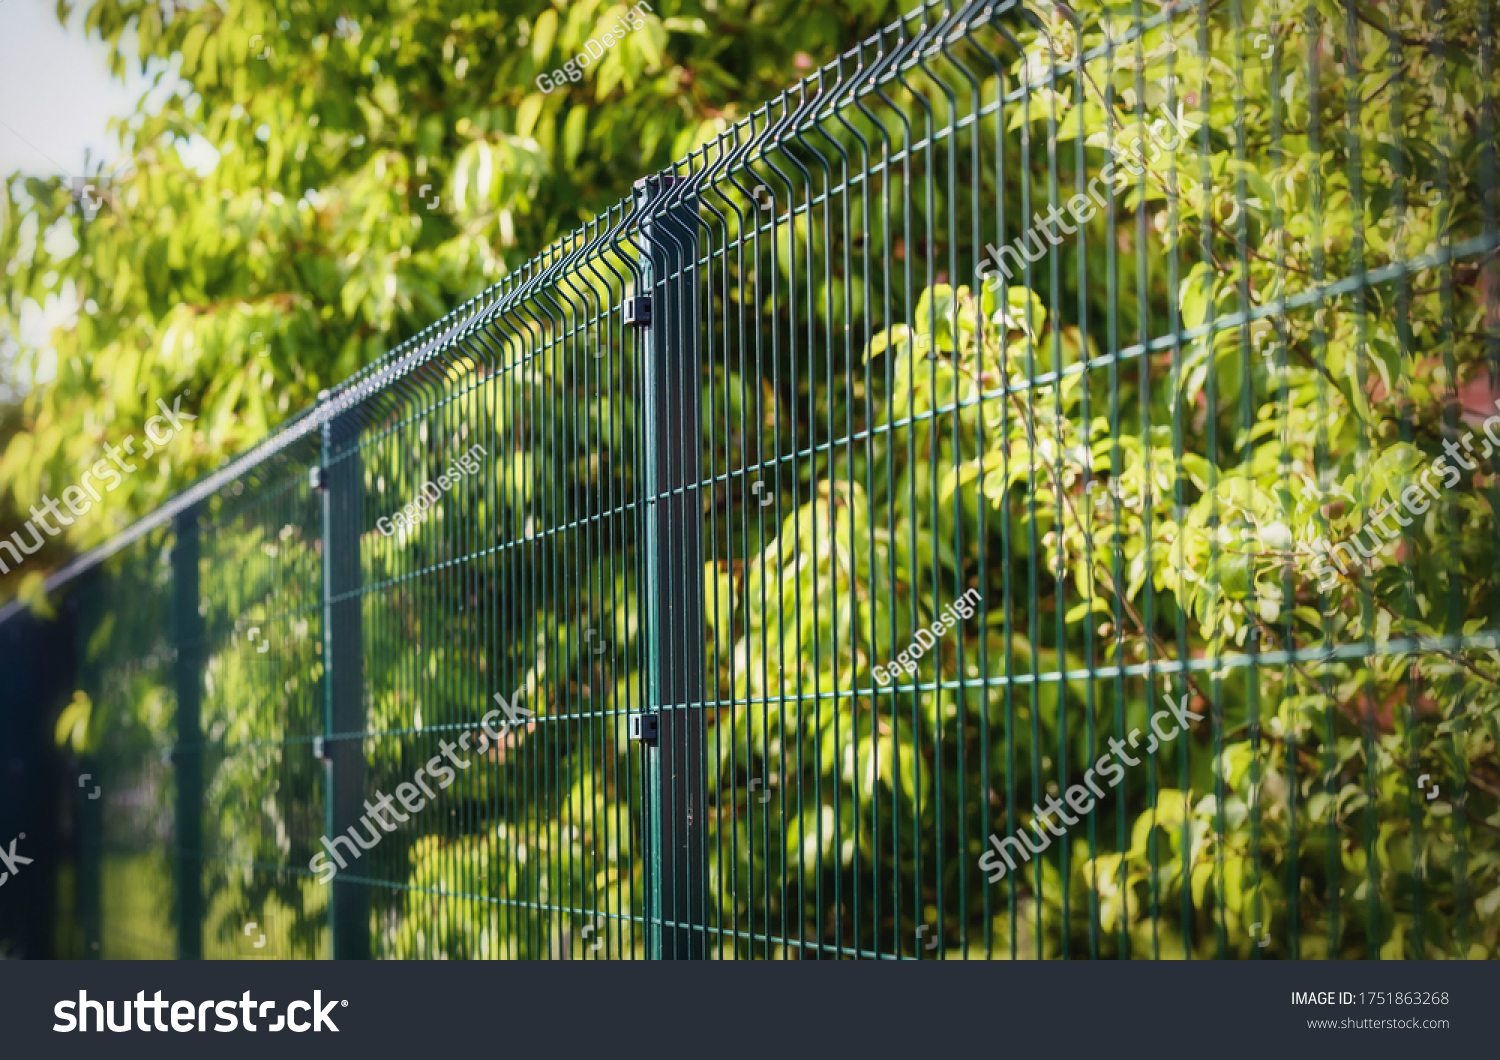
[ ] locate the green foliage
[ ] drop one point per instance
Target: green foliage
(1100, 449)
(376, 165)
(1179, 495)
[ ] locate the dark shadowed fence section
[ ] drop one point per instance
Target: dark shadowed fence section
(1026, 491)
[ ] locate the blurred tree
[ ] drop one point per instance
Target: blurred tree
(375, 164)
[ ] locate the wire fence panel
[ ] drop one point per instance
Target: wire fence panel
(119, 899)
(252, 648)
(944, 517)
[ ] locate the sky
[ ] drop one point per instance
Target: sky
(56, 92)
(56, 99)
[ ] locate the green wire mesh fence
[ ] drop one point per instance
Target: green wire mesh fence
(1027, 491)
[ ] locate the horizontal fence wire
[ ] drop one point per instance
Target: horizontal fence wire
(925, 522)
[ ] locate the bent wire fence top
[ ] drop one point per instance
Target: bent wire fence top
(926, 523)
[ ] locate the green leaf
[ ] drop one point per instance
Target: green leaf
(528, 112)
(573, 130)
(542, 36)
(884, 340)
(1022, 311)
(934, 315)
(651, 42)
(1196, 295)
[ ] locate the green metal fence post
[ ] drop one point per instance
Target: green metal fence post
(674, 568)
(187, 638)
(343, 675)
